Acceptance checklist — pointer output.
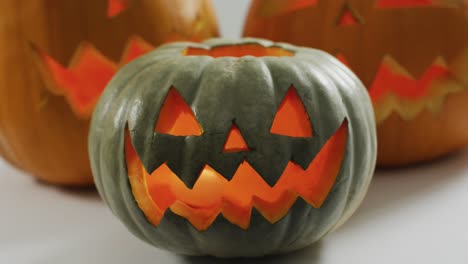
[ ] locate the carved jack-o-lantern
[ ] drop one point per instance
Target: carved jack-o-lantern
(233, 148)
(411, 54)
(45, 106)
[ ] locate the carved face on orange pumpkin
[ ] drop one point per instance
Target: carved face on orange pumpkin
(236, 136)
(412, 55)
(92, 68)
(58, 57)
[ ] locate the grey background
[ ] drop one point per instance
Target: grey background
(231, 15)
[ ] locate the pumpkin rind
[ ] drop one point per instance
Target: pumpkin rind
(218, 90)
(395, 148)
(39, 131)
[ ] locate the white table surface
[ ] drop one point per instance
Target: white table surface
(412, 215)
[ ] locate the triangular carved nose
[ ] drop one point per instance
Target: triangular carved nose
(292, 118)
(235, 141)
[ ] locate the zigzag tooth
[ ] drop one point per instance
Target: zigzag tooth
(237, 214)
(394, 78)
(201, 218)
(85, 52)
(135, 47)
(87, 73)
(440, 61)
(273, 211)
(396, 67)
(73, 81)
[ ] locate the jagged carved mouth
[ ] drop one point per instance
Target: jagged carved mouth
(84, 79)
(213, 194)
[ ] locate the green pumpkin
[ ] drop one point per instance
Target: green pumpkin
(233, 148)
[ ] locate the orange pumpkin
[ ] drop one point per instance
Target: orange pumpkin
(411, 54)
(58, 55)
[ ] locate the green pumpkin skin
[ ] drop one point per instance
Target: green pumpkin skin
(219, 90)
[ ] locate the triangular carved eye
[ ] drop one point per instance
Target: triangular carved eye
(349, 17)
(235, 141)
(176, 118)
(115, 7)
(292, 119)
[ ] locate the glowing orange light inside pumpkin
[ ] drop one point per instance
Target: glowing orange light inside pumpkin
(212, 194)
(83, 81)
(136, 48)
(116, 7)
(86, 77)
(393, 78)
(176, 117)
(235, 141)
(292, 118)
(238, 51)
